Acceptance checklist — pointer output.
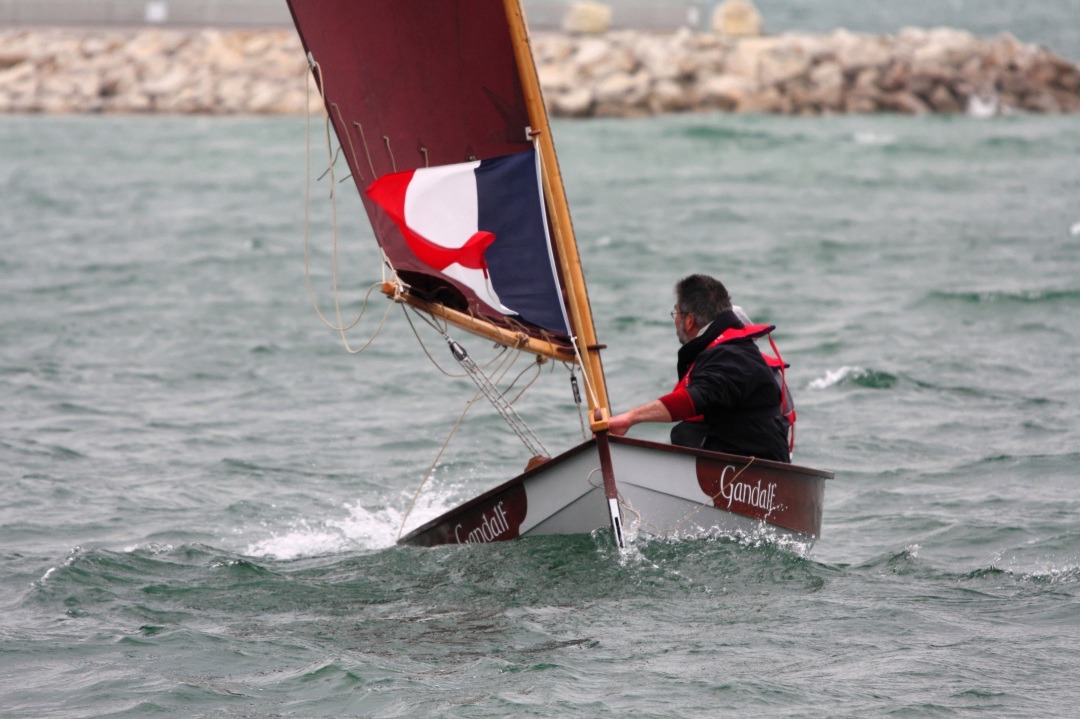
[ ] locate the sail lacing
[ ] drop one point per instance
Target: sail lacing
(352, 148)
(390, 152)
(367, 151)
(341, 327)
(488, 388)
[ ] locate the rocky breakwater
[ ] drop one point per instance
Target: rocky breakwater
(916, 71)
(616, 73)
(150, 70)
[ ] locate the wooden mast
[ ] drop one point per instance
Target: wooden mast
(569, 262)
(559, 215)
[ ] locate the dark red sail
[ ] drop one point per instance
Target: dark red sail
(412, 84)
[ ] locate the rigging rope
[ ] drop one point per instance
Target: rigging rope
(506, 358)
(577, 401)
(538, 365)
(405, 309)
(431, 470)
(489, 387)
(506, 362)
(340, 327)
(497, 399)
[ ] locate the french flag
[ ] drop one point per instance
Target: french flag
(483, 225)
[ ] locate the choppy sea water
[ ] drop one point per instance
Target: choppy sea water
(202, 489)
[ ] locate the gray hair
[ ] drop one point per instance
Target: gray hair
(701, 296)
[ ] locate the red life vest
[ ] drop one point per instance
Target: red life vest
(774, 361)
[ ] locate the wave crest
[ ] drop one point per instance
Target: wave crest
(859, 376)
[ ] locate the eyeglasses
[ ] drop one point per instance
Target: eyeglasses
(675, 313)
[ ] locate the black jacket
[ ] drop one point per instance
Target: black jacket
(737, 392)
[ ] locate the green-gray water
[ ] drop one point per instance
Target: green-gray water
(201, 489)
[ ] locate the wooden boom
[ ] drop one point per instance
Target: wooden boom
(481, 327)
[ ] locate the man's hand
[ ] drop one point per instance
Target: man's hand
(654, 411)
(619, 424)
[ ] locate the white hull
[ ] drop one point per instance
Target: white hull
(664, 491)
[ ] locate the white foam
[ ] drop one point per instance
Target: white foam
(360, 528)
(1075, 229)
(874, 138)
(835, 377)
(982, 107)
(299, 540)
(429, 505)
(368, 529)
(71, 557)
(150, 548)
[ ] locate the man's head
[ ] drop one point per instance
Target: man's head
(698, 300)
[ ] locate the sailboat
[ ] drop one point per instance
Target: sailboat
(438, 110)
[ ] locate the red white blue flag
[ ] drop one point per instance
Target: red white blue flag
(483, 225)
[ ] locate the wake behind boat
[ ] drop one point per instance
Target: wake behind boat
(438, 112)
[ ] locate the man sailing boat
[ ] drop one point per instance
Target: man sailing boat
(438, 112)
(728, 398)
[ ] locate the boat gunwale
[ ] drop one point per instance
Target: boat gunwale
(771, 463)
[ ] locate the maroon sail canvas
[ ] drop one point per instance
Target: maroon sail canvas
(412, 85)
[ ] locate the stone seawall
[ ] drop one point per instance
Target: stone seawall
(618, 73)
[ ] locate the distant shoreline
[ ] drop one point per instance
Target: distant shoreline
(622, 73)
